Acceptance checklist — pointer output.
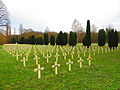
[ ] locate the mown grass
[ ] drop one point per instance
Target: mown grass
(103, 74)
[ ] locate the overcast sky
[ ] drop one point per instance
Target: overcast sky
(60, 14)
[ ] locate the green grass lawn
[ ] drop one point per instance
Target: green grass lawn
(103, 74)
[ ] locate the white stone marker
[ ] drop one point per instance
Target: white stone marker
(84, 54)
(65, 55)
(89, 59)
(80, 61)
(24, 60)
(56, 67)
(39, 70)
(56, 56)
(69, 63)
(47, 57)
(72, 55)
(17, 55)
(26, 55)
(36, 58)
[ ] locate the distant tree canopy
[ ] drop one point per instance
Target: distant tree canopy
(52, 40)
(65, 40)
(32, 39)
(46, 39)
(101, 37)
(61, 39)
(72, 38)
(87, 38)
(116, 39)
(112, 38)
(13, 40)
(22, 40)
(39, 40)
(2, 39)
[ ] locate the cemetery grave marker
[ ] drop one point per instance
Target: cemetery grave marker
(17, 55)
(69, 64)
(24, 60)
(65, 54)
(56, 56)
(47, 57)
(36, 59)
(56, 67)
(89, 60)
(39, 70)
(80, 61)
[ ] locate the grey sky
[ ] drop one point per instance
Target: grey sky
(60, 14)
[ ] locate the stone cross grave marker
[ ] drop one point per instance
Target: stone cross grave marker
(72, 55)
(56, 67)
(84, 54)
(47, 57)
(80, 61)
(26, 55)
(13, 54)
(36, 58)
(69, 63)
(35, 53)
(17, 55)
(24, 60)
(56, 56)
(89, 60)
(21, 53)
(65, 54)
(39, 70)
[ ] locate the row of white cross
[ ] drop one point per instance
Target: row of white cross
(20, 50)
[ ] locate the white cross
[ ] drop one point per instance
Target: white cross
(69, 63)
(56, 67)
(72, 54)
(24, 60)
(47, 58)
(26, 55)
(89, 59)
(17, 55)
(36, 58)
(80, 61)
(56, 56)
(65, 55)
(39, 70)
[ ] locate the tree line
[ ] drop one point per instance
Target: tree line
(110, 36)
(61, 39)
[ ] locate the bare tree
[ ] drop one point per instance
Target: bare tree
(76, 27)
(47, 30)
(14, 31)
(4, 15)
(110, 26)
(21, 29)
(94, 35)
(94, 28)
(4, 21)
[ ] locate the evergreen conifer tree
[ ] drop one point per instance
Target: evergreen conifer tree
(46, 39)
(87, 38)
(101, 37)
(52, 40)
